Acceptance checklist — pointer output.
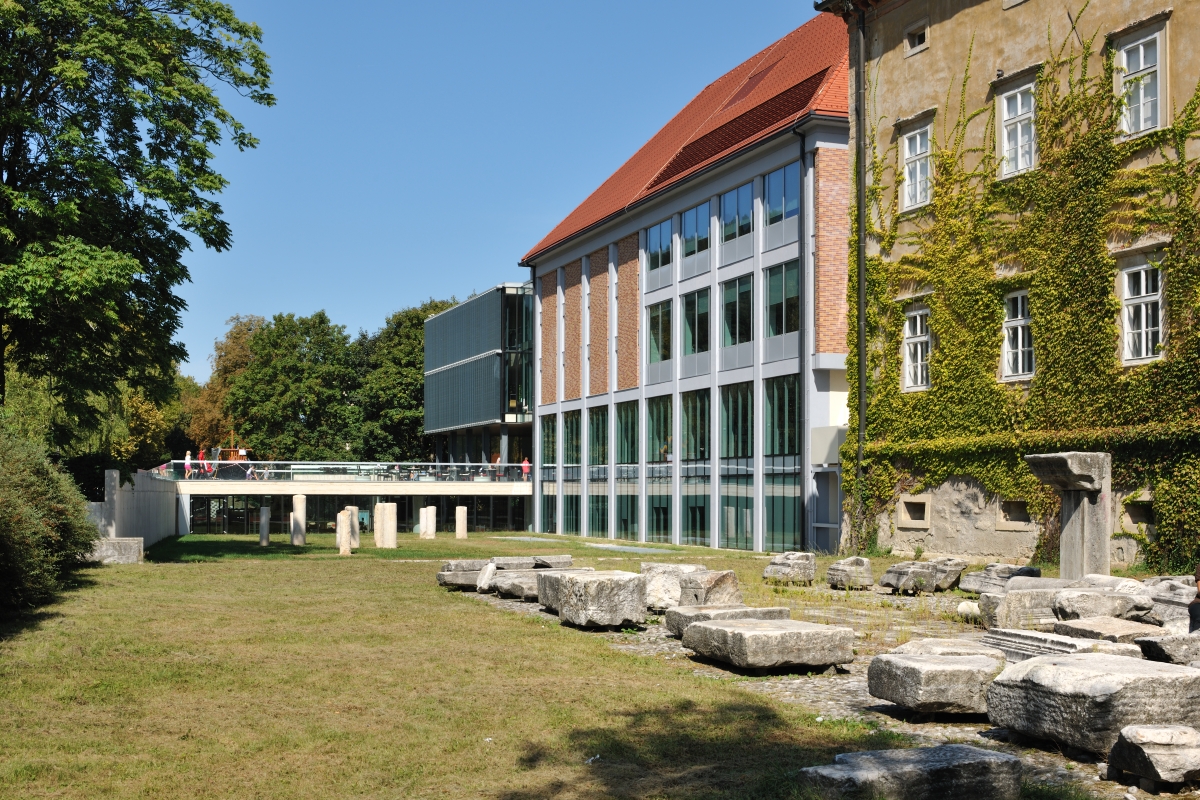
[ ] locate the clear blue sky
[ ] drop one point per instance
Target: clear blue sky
(419, 150)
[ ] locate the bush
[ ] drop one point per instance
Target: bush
(44, 527)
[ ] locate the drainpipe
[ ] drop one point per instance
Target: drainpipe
(806, 360)
(860, 122)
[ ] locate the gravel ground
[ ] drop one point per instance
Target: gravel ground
(881, 622)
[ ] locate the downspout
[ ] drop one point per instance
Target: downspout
(860, 142)
(806, 366)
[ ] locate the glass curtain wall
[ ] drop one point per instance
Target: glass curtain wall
(518, 354)
(783, 502)
(783, 299)
(548, 474)
(695, 322)
(627, 470)
(572, 483)
(697, 468)
(660, 332)
(739, 315)
(737, 466)
(658, 469)
(598, 471)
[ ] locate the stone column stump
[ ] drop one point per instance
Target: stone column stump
(355, 533)
(298, 520)
(343, 532)
(460, 522)
(264, 526)
(1084, 482)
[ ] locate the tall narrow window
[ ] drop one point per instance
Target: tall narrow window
(695, 230)
(1018, 338)
(1142, 303)
(697, 422)
(782, 194)
(695, 322)
(660, 332)
(781, 428)
(627, 432)
(783, 299)
(916, 168)
(916, 349)
(658, 246)
(737, 420)
(1019, 148)
(737, 212)
(738, 328)
(598, 435)
(658, 429)
(1139, 83)
(550, 439)
(571, 440)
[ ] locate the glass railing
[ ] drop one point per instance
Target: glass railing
(339, 471)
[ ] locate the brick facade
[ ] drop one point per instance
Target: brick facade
(598, 322)
(549, 332)
(832, 224)
(629, 313)
(572, 330)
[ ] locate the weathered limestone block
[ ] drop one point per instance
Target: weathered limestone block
(513, 562)
(910, 577)
(792, 567)
(949, 572)
(343, 532)
(355, 527)
(1109, 629)
(1187, 580)
(662, 583)
(522, 583)
(1119, 585)
(549, 589)
(1169, 753)
(1177, 649)
(1084, 482)
(994, 578)
(601, 598)
(948, 647)
(458, 578)
(715, 588)
(460, 522)
(923, 773)
(484, 583)
(1095, 602)
(120, 550)
(933, 683)
(464, 565)
(551, 562)
(850, 573)
(762, 643)
(1084, 700)
(1029, 609)
(1171, 599)
(1018, 645)
(678, 619)
(1023, 583)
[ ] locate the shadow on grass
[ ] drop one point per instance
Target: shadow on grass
(215, 548)
(14, 623)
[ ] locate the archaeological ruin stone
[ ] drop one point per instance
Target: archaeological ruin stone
(922, 773)
(1109, 629)
(1096, 602)
(1084, 482)
(910, 577)
(850, 573)
(715, 588)
(521, 584)
(1030, 609)
(933, 683)
(1084, 700)
(677, 619)
(458, 578)
(994, 578)
(1018, 645)
(1169, 753)
(601, 598)
(464, 565)
(552, 562)
(662, 583)
(513, 562)
(761, 643)
(948, 647)
(792, 567)
(1173, 649)
(1171, 597)
(484, 583)
(949, 572)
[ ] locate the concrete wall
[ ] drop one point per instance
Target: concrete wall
(145, 509)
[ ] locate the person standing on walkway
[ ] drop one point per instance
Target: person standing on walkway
(187, 465)
(525, 469)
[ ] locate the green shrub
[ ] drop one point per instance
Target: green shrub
(44, 527)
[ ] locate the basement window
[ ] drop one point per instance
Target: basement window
(912, 511)
(916, 37)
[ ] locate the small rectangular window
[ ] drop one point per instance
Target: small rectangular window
(916, 168)
(1019, 144)
(1139, 84)
(782, 194)
(1018, 338)
(695, 230)
(695, 322)
(658, 245)
(737, 213)
(916, 349)
(660, 332)
(783, 299)
(738, 328)
(1142, 307)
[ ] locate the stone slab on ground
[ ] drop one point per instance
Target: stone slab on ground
(513, 562)
(464, 565)
(1026, 609)
(1018, 645)
(948, 647)
(910, 577)
(932, 683)
(603, 598)
(850, 573)
(458, 578)
(792, 567)
(662, 582)
(483, 583)
(1084, 700)
(522, 583)
(1169, 753)
(1177, 649)
(1110, 629)
(678, 619)
(1103, 602)
(925, 773)
(707, 588)
(120, 550)
(765, 644)
(994, 578)
(552, 562)
(949, 572)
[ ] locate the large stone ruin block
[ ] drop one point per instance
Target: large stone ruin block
(994, 578)
(764, 644)
(1098, 602)
(1085, 700)
(662, 583)
(458, 579)
(792, 567)
(483, 584)
(948, 647)
(601, 599)
(922, 773)
(933, 683)
(464, 565)
(949, 572)
(1018, 645)
(1172, 649)
(1171, 598)
(521, 584)
(716, 588)
(120, 550)
(1028, 609)
(850, 573)
(910, 577)
(1110, 629)
(678, 619)
(552, 562)
(1168, 753)
(1084, 482)
(513, 562)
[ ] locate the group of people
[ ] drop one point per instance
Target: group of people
(205, 468)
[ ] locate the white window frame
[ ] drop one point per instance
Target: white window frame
(1018, 338)
(914, 162)
(1136, 335)
(919, 27)
(916, 348)
(1011, 127)
(1126, 79)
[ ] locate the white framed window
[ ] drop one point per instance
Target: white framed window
(1139, 61)
(658, 245)
(1018, 337)
(916, 168)
(916, 349)
(1017, 132)
(1141, 311)
(916, 37)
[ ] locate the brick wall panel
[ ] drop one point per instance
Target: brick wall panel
(628, 312)
(549, 333)
(598, 322)
(572, 330)
(832, 223)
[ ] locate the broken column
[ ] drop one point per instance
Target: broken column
(264, 525)
(355, 532)
(376, 524)
(343, 532)
(387, 538)
(460, 522)
(298, 520)
(1084, 482)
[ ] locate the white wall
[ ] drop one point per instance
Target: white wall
(145, 509)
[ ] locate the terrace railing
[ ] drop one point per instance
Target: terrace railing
(475, 472)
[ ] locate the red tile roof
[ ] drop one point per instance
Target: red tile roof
(804, 73)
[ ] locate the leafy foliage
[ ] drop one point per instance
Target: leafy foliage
(210, 420)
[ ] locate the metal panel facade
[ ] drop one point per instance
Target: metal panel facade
(469, 329)
(466, 394)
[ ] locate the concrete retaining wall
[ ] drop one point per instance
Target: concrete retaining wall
(144, 509)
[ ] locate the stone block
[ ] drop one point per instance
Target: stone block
(910, 577)
(483, 583)
(1114, 584)
(1169, 753)
(933, 683)
(762, 643)
(549, 589)
(1171, 598)
(551, 562)
(464, 565)
(1029, 609)
(458, 578)
(1109, 629)
(949, 572)
(1018, 645)
(355, 527)
(1177, 649)
(513, 562)
(716, 588)
(1084, 700)
(662, 583)
(678, 619)
(1084, 482)
(994, 578)
(922, 773)
(603, 598)
(850, 573)
(521, 584)
(792, 567)
(460, 522)
(1096, 602)
(122, 550)
(948, 647)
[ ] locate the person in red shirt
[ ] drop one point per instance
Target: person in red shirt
(525, 469)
